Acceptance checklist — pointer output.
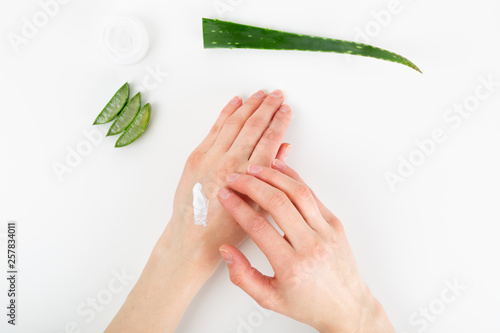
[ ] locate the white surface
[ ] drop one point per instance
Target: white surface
(353, 118)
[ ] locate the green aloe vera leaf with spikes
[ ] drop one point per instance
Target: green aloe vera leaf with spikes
(114, 106)
(224, 34)
(127, 115)
(136, 128)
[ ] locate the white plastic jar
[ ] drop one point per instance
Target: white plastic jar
(125, 40)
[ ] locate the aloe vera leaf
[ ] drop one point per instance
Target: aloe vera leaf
(224, 34)
(126, 116)
(114, 106)
(136, 128)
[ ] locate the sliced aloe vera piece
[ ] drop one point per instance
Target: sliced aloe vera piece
(114, 106)
(223, 34)
(136, 128)
(126, 116)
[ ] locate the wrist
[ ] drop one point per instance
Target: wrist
(188, 252)
(368, 317)
(375, 319)
(163, 292)
(190, 260)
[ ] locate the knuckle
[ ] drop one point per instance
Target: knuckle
(226, 111)
(255, 122)
(337, 225)
(232, 163)
(234, 120)
(253, 102)
(233, 204)
(279, 199)
(257, 223)
(302, 192)
(272, 102)
(246, 146)
(294, 276)
(272, 135)
(317, 247)
(195, 158)
(335, 237)
(237, 278)
(321, 253)
(294, 175)
(272, 302)
(215, 129)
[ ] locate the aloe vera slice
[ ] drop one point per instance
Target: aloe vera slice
(136, 128)
(114, 106)
(126, 116)
(224, 34)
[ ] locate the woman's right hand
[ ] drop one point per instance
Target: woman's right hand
(316, 280)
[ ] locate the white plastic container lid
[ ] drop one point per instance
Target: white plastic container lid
(125, 40)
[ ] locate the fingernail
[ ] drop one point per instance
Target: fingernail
(279, 165)
(226, 255)
(277, 93)
(259, 94)
(254, 168)
(285, 108)
(232, 177)
(235, 100)
(223, 193)
(287, 152)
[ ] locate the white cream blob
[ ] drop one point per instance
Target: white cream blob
(200, 205)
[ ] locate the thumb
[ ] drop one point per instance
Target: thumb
(249, 279)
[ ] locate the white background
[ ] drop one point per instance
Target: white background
(354, 117)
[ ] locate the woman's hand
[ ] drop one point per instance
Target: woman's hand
(186, 254)
(316, 277)
(248, 133)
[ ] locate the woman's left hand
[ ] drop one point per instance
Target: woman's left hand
(245, 133)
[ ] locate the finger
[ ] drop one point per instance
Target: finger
(277, 204)
(265, 236)
(327, 214)
(300, 195)
(257, 124)
(226, 112)
(268, 146)
(243, 275)
(284, 152)
(234, 124)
